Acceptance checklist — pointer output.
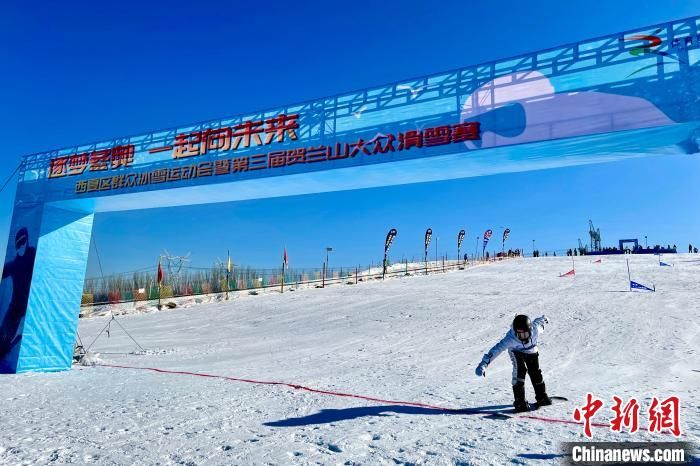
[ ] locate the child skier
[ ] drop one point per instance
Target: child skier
(521, 343)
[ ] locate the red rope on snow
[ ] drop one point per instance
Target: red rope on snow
(349, 395)
(291, 385)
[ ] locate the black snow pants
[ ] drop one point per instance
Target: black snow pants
(523, 364)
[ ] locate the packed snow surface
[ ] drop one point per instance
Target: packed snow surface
(415, 339)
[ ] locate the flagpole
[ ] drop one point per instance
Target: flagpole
(284, 266)
(629, 276)
(228, 270)
(384, 265)
(158, 279)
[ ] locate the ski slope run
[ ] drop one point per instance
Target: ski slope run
(416, 339)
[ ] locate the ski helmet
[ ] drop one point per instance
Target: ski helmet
(522, 322)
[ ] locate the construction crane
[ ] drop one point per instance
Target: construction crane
(581, 247)
(595, 236)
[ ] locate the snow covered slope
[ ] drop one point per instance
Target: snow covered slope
(415, 339)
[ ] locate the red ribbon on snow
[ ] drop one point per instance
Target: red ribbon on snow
(349, 395)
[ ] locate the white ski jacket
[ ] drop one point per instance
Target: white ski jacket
(511, 342)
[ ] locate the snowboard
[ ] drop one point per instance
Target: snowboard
(509, 413)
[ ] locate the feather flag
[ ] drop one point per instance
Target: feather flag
(160, 272)
(389, 239)
(428, 235)
(487, 237)
(506, 233)
(228, 266)
(284, 258)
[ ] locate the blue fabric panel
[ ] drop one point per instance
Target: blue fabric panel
(57, 285)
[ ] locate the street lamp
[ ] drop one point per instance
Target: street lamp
(533, 248)
(325, 267)
(437, 238)
(476, 248)
(645, 242)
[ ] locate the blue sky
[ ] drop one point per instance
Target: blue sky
(79, 72)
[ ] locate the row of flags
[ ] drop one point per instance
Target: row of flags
(487, 237)
(387, 244)
(460, 237)
(633, 285)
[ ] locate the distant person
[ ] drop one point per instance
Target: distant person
(19, 270)
(521, 344)
(690, 248)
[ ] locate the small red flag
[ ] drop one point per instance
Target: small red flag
(160, 272)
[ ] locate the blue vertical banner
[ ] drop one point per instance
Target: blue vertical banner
(16, 280)
(487, 237)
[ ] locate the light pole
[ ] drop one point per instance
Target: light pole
(437, 238)
(645, 242)
(533, 248)
(476, 248)
(325, 267)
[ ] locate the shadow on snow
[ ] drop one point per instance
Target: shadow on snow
(327, 416)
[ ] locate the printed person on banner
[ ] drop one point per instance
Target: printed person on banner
(19, 270)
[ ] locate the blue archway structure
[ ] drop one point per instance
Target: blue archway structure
(627, 241)
(621, 96)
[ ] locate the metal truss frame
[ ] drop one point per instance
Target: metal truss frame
(319, 116)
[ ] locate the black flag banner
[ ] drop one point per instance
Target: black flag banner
(389, 239)
(506, 233)
(460, 238)
(387, 244)
(428, 235)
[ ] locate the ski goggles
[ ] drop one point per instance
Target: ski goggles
(21, 241)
